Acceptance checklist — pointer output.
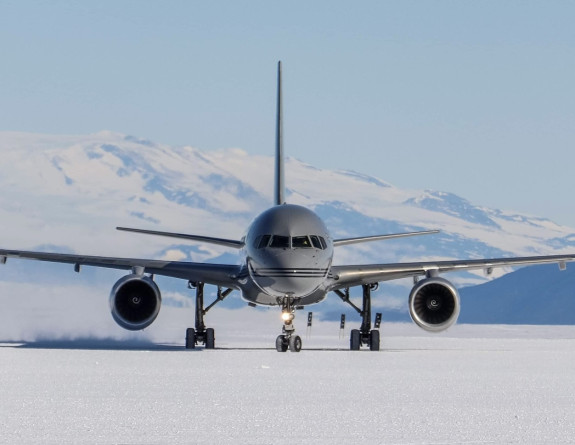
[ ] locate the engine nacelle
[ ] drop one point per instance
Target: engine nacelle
(434, 304)
(135, 302)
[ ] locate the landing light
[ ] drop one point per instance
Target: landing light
(287, 316)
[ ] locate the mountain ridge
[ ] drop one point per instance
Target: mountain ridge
(71, 191)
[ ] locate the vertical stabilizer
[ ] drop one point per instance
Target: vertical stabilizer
(279, 165)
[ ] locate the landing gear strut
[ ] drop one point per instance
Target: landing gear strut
(200, 334)
(364, 335)
(288, 339)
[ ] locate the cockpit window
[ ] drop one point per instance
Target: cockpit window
(299, 242)
(263, 241)
(279, 241)
(315, 241)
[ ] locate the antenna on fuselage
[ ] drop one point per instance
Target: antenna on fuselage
(279, 165)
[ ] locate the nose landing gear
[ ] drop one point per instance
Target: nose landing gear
(288, 339)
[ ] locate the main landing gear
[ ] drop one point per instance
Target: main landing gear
(200, 334)
(288, 339)
(364, 335)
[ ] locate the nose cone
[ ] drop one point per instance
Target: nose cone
(288, 273)
(298, 263)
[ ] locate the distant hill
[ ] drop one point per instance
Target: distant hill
(68, 193)
(531, 295)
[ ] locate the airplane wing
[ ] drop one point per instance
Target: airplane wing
(363, 239)
(206, 239)
(348, 276)
(218, 274)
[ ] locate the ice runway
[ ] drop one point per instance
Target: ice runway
(471, 385)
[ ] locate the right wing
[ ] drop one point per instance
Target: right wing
(363, 239)
(218, 274)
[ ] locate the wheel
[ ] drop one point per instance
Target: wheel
(210, 338)
(190, 338)
(295, 343)
(374, 340)
(281, 343)
(354, 340)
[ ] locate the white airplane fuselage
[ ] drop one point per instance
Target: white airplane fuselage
(288, 253)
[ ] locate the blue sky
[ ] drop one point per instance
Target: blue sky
(474, 98)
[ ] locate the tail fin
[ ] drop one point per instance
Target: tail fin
(279, 166)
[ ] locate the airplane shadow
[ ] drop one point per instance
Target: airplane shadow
(105, 344)
(96, 344)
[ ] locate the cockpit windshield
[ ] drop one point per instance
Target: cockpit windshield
(262, 241)
(279, 241)
(318, 242)
(299, 242)
(287, 242)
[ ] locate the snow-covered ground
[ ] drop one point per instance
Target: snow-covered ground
(473, 384)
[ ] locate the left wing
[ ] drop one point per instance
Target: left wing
(348, 276)
(217, 274)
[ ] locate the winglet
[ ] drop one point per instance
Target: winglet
(279, 164)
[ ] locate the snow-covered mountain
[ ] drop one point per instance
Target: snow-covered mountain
(68, 193)
(531, 295)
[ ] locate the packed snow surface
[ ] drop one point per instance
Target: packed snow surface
(473, 384)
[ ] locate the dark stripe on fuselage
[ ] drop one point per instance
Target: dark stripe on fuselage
(289, 272)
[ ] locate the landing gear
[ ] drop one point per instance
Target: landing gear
(365, 335)
(293, 343)
(190, 338)
(200, 334)
(210, 340)
(288, 339)
(355, 340)
(282, 343)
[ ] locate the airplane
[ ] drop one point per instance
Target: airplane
(287, 255)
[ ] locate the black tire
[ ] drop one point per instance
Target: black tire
(295, 343)
(190, 338)
(210, 338)
(374, 340)
(281, 343)
(354, 340)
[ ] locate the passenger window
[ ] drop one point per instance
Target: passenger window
(280, 242)
(299, 242)
(265, 240)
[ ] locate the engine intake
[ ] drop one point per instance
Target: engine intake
(434, 304)
(135, 302)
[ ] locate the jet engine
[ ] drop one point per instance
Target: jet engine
(135, 302)
(434, 304)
